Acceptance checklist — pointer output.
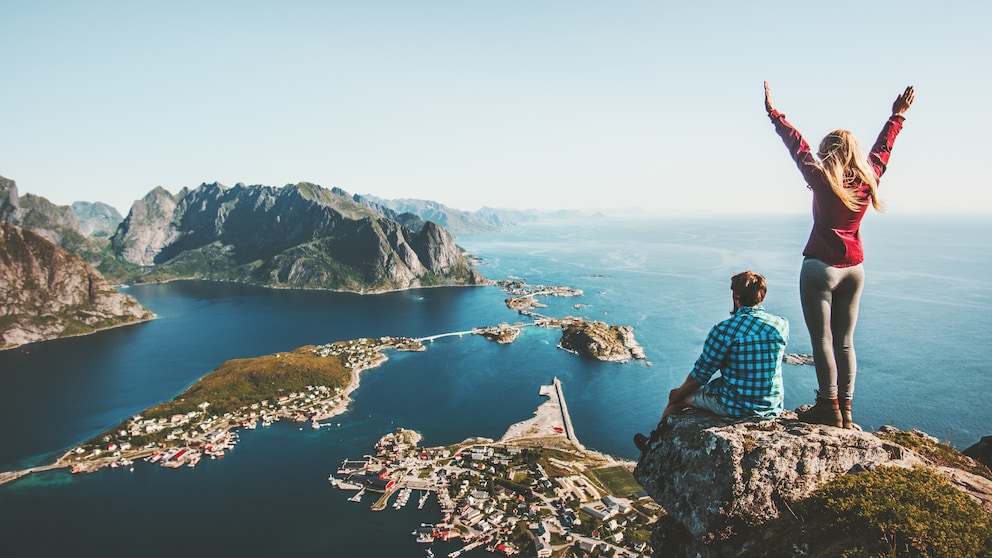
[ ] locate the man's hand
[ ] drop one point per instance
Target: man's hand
(768, 98)
(901, 104)
(678, 398)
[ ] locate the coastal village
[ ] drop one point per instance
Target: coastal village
(507, 497)
(534, 492)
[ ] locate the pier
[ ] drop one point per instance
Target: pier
(565, 418)
(11, 476)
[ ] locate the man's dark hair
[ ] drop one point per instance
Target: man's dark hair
(749, 287)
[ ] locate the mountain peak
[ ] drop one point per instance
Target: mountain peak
(300, 235)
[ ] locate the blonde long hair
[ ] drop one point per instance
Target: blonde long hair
(844, 163)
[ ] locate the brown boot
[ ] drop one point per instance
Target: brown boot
(826, 411)
(845, 413)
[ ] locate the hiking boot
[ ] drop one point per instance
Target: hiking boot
(826, 411)
(641, 441)
(845, 414)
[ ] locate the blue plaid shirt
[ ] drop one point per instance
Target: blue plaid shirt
(747, 350)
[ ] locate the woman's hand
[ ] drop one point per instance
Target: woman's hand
(899, 107)
(768, 98)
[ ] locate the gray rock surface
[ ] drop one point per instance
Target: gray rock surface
(718, 477)
(600, 340)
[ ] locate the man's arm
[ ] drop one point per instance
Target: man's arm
(679, 398)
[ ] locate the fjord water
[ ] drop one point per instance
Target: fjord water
(922, 351)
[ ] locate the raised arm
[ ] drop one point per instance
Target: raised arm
(794, 142)
(768, 99)
(882, 149)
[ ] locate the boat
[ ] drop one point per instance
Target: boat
(403, 498)
(424, 534)
(430, 553)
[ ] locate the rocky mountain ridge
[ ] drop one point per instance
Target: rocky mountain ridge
(57, 224)
(454, 220)
(298, 236)
(96, 219)
(48, 292)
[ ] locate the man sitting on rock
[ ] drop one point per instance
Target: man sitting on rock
(746, 349)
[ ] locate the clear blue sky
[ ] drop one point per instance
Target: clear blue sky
(524, 104)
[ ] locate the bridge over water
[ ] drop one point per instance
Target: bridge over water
(431, 338)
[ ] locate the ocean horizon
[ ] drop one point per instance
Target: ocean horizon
(921, 345)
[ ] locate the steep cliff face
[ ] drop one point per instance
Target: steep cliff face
(49, 293)
(9, 204)
(719, 478)
(296, 236)
(148, 228)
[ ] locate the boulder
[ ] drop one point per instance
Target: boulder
(718, 477)
(981, 451)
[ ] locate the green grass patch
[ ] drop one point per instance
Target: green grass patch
(940, 453)
(617, 480)
(241, 382)
(888, 511)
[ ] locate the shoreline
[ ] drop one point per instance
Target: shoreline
(317, 403)
(70, 336)
(124, 286)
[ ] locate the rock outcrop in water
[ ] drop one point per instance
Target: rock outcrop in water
(720, 478)
(301, 236)
(600, 340)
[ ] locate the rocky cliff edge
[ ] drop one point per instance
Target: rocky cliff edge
(719, 478)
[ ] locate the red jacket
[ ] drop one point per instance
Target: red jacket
(836, 236)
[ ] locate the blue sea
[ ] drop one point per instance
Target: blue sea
(922, 342)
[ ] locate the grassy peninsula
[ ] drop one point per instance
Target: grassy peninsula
(310, 383)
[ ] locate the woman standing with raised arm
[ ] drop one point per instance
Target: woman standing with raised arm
(844, 182)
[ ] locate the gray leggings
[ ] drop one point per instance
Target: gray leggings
(830, 297)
